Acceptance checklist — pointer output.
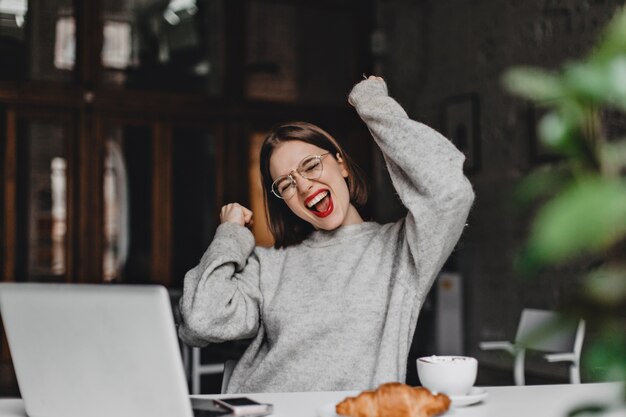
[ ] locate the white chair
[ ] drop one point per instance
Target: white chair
(545, 331)
(198, 369)
(195, 369)
(192, 358)
(228, 371)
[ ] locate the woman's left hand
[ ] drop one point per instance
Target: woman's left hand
(371, 77)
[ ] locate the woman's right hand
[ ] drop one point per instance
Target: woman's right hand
(236, 213)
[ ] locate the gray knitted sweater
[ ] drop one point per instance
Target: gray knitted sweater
(338, 311)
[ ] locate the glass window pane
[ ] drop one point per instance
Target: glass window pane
(271, 51)
(127, 189)
(289, 46)
(163, 45)
(37, 39)
(12, 38)
(195, 215)
(42, 201)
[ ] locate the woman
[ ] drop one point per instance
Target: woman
(334, 305)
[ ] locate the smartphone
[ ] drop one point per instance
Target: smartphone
(244, 406)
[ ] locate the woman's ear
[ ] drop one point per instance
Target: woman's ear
(344, 171)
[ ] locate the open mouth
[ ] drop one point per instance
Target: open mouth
(320, 203)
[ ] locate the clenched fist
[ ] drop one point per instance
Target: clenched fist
(236, 213)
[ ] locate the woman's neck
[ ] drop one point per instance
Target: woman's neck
(353, 216)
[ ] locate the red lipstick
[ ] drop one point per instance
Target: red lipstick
(316, 198)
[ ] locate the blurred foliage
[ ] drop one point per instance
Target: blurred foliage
(582, 213)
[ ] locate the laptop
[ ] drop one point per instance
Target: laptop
(96, 350)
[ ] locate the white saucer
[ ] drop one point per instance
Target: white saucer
(476, 395)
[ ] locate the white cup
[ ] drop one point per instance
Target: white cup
(451, 375)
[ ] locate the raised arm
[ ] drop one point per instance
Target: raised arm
(221, 295)
(426, 170)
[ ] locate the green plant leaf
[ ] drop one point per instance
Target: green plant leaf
(555, 132)
(586, 218)
(543, 182)
(607, 286)
(613, 39)
(617, 79)
(560, 129)
(533, 84)
(589, 409)
(588, 81)
(606, 356)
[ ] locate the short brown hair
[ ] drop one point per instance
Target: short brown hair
(287, 228)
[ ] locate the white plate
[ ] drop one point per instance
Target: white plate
(476, 395)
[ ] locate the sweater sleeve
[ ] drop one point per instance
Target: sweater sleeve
(426, 170)
(221, 295)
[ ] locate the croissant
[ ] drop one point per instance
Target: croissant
(394, 400)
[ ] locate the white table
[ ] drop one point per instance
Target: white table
(526, 401)
(512, 401)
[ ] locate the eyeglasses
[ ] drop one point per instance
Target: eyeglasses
(310, 168)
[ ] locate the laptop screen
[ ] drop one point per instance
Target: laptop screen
(97, 350)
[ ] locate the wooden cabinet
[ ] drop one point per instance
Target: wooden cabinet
(125, 125)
